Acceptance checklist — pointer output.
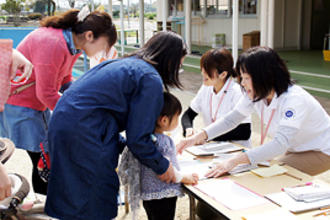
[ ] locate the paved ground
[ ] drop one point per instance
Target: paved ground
(20, 163)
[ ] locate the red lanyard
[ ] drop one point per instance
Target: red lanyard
(264, 133)
(220, 101)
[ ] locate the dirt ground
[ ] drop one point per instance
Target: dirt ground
(20, 163)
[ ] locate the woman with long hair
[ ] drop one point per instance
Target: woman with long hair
(84, 140)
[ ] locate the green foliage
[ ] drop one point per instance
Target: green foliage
(150, 15)
(12, 6)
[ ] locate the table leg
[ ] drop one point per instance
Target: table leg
(126, 200)
(192, 208)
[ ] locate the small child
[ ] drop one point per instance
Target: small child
(159, 198)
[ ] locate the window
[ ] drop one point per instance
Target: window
(248, 7)
(214, 7)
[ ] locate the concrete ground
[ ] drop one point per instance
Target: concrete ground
(20, 163)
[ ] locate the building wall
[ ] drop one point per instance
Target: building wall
(286, 33)
(287, 22)
(206, 31)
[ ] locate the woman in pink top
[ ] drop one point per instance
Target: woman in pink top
(52, 49)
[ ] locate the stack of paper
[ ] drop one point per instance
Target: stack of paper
(242, 168)
(286, 201)
(270, 171)
(309, 193)
(211, 149)
(195, 166)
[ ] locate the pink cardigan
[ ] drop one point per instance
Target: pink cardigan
(52, 62)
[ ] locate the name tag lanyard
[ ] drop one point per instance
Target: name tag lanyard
(264, 133)
(221, 99)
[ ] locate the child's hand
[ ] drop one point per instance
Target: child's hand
(190, 179)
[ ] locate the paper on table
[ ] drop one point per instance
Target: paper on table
(230, 194)
(213, 148)
(286, 201)
(309, 193)
(270, 171)
(272, 215)
(195, 166)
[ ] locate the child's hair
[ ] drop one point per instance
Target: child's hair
(100, 23)
(164, 51)
(171, 107)
(267, 71)
(220, 60)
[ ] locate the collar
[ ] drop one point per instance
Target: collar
(224, 87)
(273, 103)
(67, 33)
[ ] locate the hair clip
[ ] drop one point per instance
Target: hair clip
(84, 12)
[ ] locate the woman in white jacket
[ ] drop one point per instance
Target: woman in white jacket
(297, 123)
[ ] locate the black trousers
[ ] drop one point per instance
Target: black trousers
(160, 209)
(39, 186)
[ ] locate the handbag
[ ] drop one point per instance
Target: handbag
(44, 164)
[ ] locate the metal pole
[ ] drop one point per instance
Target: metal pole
(235, 31)
(271, 21)
(122, 27)
(128, 14)
(110, 8)
(188, 25)
(165, 11)
(141, 22)
(263, 22)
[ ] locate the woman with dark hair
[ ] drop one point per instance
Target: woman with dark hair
(84, 140)
(297, 123)
(52, 49)
(218, 95)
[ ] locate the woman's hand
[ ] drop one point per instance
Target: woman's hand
(168, 176)
(220, 169)
(228, 165)
(5, 183)
(21, 63)
(199, 138)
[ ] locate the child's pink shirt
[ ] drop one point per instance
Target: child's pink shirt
(52, 62)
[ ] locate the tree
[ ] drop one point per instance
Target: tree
(12, 6)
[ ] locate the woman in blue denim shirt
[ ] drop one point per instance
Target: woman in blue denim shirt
(84, 140)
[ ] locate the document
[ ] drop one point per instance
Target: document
(308, 193)
(286, 201)
(230, 194)
(211, 149)
(270, 171)
(195, 166)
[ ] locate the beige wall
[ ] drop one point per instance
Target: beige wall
(223, 25)
(286, 26)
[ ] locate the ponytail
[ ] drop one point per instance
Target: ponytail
(64, 21)
(100, 23)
